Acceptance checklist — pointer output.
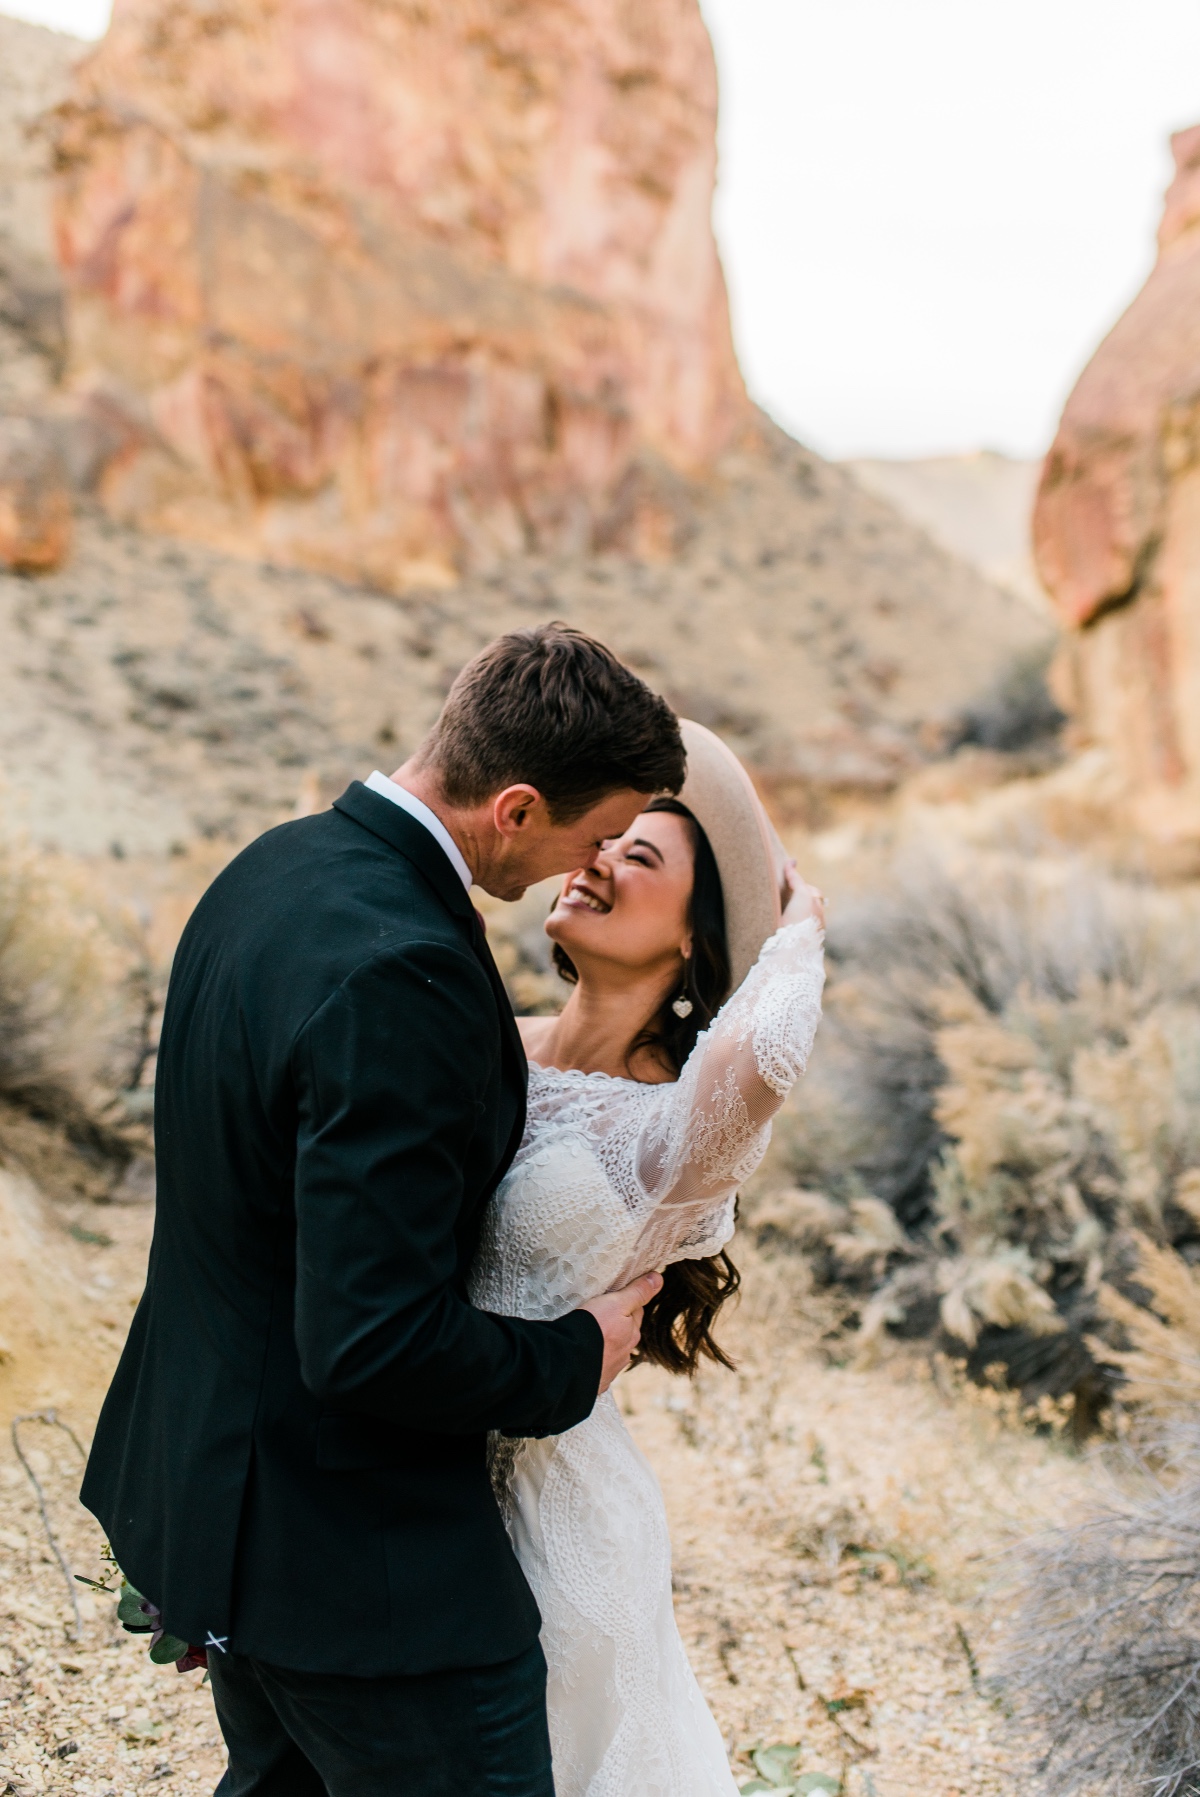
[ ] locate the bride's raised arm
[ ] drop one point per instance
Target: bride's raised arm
(703, 1135)
(678, 1152)
(705, 1132)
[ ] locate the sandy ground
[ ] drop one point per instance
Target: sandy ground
(835, 1534)
(87, 1714)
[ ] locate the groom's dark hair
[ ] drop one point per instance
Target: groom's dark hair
(556, 709)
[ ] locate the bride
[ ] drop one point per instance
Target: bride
(650, 1101)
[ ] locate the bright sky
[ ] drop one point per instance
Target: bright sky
(930, 210)
(86, 18)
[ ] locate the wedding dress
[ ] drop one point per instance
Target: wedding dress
(614, 1178)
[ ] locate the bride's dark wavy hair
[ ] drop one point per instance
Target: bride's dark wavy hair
(677, 1324)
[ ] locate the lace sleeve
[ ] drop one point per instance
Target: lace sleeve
(703, 1135)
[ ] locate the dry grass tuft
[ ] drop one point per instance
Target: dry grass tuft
(74, 996)
(1161, 1364)
(1102, 1664)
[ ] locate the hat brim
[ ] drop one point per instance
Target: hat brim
(749, 855)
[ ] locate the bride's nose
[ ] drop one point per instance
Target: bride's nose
(600, 860)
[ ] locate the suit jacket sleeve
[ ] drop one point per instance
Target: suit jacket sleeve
(390, 1075)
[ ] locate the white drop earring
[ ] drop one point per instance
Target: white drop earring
(683, 1006)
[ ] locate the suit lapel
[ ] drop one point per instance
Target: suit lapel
(508, 1022)
(401, 831)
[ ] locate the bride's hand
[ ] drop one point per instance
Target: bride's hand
(803, 901)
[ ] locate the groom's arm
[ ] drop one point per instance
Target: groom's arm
(391, 1075)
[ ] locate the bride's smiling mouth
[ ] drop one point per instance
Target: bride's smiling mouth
(580, 897)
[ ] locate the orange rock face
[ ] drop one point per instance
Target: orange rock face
(1117, 527)
(392, 288)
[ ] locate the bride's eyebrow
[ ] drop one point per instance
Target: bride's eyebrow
(639, 842)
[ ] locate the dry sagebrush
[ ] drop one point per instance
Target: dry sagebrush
(1011, 1065)
(1160, 1359)
(74, 992)
(1102, 1665)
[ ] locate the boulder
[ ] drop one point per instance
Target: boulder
(1117, 528)
(35, 498)
(394, 291)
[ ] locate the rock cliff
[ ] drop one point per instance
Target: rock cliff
(153, 689)
(1117, 527)
(396, 290)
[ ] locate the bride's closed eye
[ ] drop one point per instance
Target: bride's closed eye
(644, 854)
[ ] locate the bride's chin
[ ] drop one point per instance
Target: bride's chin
(574, 932)
(559, 928)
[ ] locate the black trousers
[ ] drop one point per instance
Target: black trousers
(478, 1732)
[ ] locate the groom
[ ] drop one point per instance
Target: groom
(291, 1461)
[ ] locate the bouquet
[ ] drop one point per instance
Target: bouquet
(138, 1616)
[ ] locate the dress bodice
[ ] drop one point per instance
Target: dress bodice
(614, 1177)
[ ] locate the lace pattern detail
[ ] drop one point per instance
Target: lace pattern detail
(614, 1177)
(786, 1009)
(627, 1718)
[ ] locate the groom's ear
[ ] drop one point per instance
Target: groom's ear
(514, 809)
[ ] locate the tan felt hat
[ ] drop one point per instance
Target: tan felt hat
(750, 857)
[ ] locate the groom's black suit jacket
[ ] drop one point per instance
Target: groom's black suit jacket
(292, 1454)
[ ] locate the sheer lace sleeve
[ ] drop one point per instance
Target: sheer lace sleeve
(702, 1136)
(707, 1129)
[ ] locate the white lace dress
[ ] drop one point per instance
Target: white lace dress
(614, 1178)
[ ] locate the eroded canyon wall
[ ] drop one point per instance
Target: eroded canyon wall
(393, 289)
(1117, 528)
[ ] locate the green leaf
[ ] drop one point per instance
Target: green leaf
(818, 1782)
(129, 1609)
(168, 1650)
(756, 1785)
(777, 1763)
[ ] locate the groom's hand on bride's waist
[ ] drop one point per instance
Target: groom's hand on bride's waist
(619, 1315)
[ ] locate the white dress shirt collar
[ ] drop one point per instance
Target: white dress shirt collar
(407, 801)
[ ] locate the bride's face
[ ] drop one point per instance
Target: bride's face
(629, 905)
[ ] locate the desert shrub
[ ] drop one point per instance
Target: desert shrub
(1160, 1332)
(1101, 1666)
(73, 993)
(1012, 1065)
(1018, 711)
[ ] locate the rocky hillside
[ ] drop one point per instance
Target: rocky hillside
(150, 690)
(154, 689)
(978, 505)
